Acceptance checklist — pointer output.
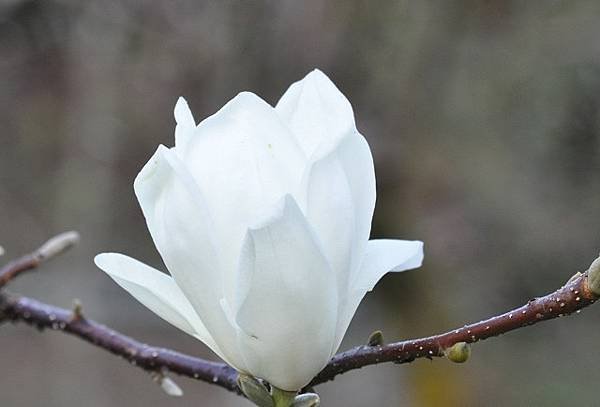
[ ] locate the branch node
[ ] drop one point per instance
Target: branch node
(77, 310)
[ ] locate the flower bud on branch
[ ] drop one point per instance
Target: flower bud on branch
(593, 280)
(459, 352)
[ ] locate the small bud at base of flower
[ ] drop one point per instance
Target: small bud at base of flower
(255, 390)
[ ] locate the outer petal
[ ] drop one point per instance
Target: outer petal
(181, 227)
(385, 255)
(244, 159)
(288, 308)
(316, 111)
(339, 201)
(380, 257)
(157, 291)
(185, 124)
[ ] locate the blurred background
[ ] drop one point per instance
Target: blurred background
(484, 121)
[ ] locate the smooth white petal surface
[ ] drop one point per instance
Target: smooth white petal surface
(181, 228)
(381, 257)
(157, 291)
(316, 111)
(288, 300)
(340, 199)
(244, 159)
(339, 202)
(184, 130)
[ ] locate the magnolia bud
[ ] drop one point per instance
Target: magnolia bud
(58, 244)
(459, 352)
(593, 280)
(375, 339)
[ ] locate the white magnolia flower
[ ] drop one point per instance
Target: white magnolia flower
(262, 216)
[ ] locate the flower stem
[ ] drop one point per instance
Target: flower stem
(282, 398)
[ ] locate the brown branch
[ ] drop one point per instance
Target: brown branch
(45, 316)
(150, 358)
(579, 292)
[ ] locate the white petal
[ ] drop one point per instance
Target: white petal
(157, 291)
(244, 159)
(339, 202)
(181, 228)
(185, 124)
(289, 309)
(316, 111)
(381, 256)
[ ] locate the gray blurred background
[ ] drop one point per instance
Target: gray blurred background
(484, 121)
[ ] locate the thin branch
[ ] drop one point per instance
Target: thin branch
(52, 248)
(570, 298)
(45, 316)
(149, 358)
(579, 292)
